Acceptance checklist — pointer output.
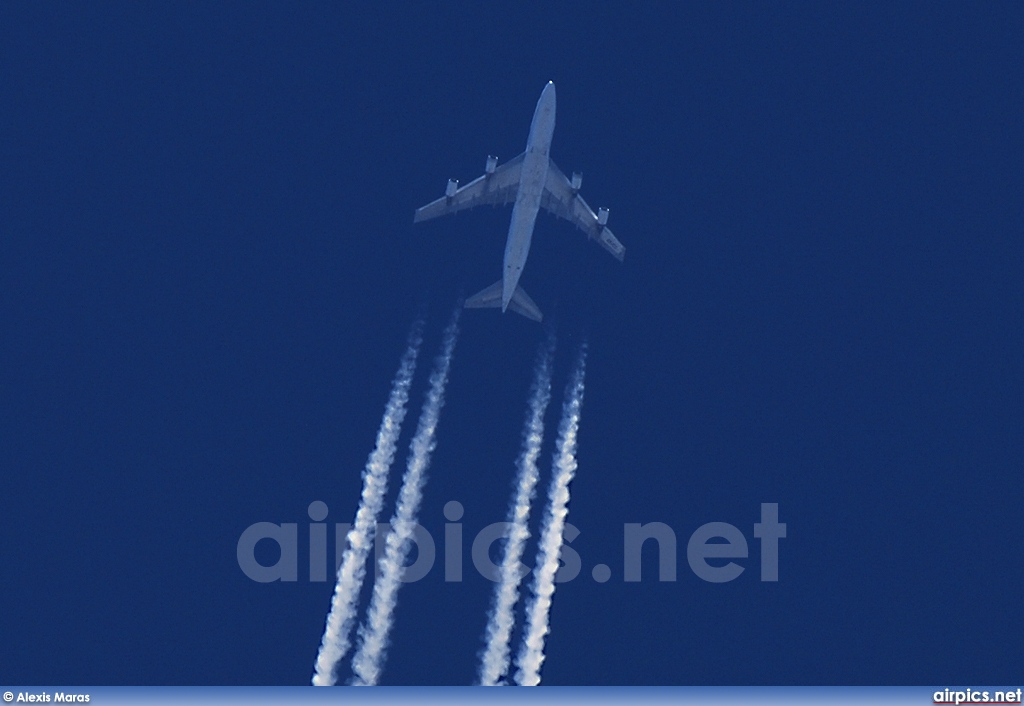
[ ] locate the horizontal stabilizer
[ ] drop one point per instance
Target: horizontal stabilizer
(490, 298)
(522, 304)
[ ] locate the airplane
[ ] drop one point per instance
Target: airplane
(530, 182)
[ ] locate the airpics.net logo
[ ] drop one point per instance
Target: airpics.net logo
(269, 552)
(977, 696)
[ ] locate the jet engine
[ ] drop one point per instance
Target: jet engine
(453, 186)
(577, 181)
(491, 164)
(602, 216)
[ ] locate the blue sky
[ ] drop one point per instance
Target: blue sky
(210, 269)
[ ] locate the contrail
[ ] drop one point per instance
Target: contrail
(369, 659)
(495, 660)
(335, 642)
(531, 654)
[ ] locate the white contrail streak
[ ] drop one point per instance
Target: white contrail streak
(531, 654)
(494, 663)
(335, 642)
(369, 659)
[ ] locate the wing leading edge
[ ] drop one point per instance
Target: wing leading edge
(564, 201)
(496, 188)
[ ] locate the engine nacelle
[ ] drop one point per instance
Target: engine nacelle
(453, 186)
(491, 164)
(602, 216)
(577, 181)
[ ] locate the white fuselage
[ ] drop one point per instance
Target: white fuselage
(531, 187)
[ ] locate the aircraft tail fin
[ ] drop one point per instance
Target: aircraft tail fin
(490, 298)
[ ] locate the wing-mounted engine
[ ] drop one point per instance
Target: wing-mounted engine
(602, 216)
(490, 165)
(453, 186)
(577, 182)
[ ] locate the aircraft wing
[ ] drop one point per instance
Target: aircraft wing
(497, 188)
(561, 199)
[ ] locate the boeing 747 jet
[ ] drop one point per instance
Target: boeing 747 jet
(530, 181)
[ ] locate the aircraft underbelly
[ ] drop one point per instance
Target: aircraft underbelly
(524, 215)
